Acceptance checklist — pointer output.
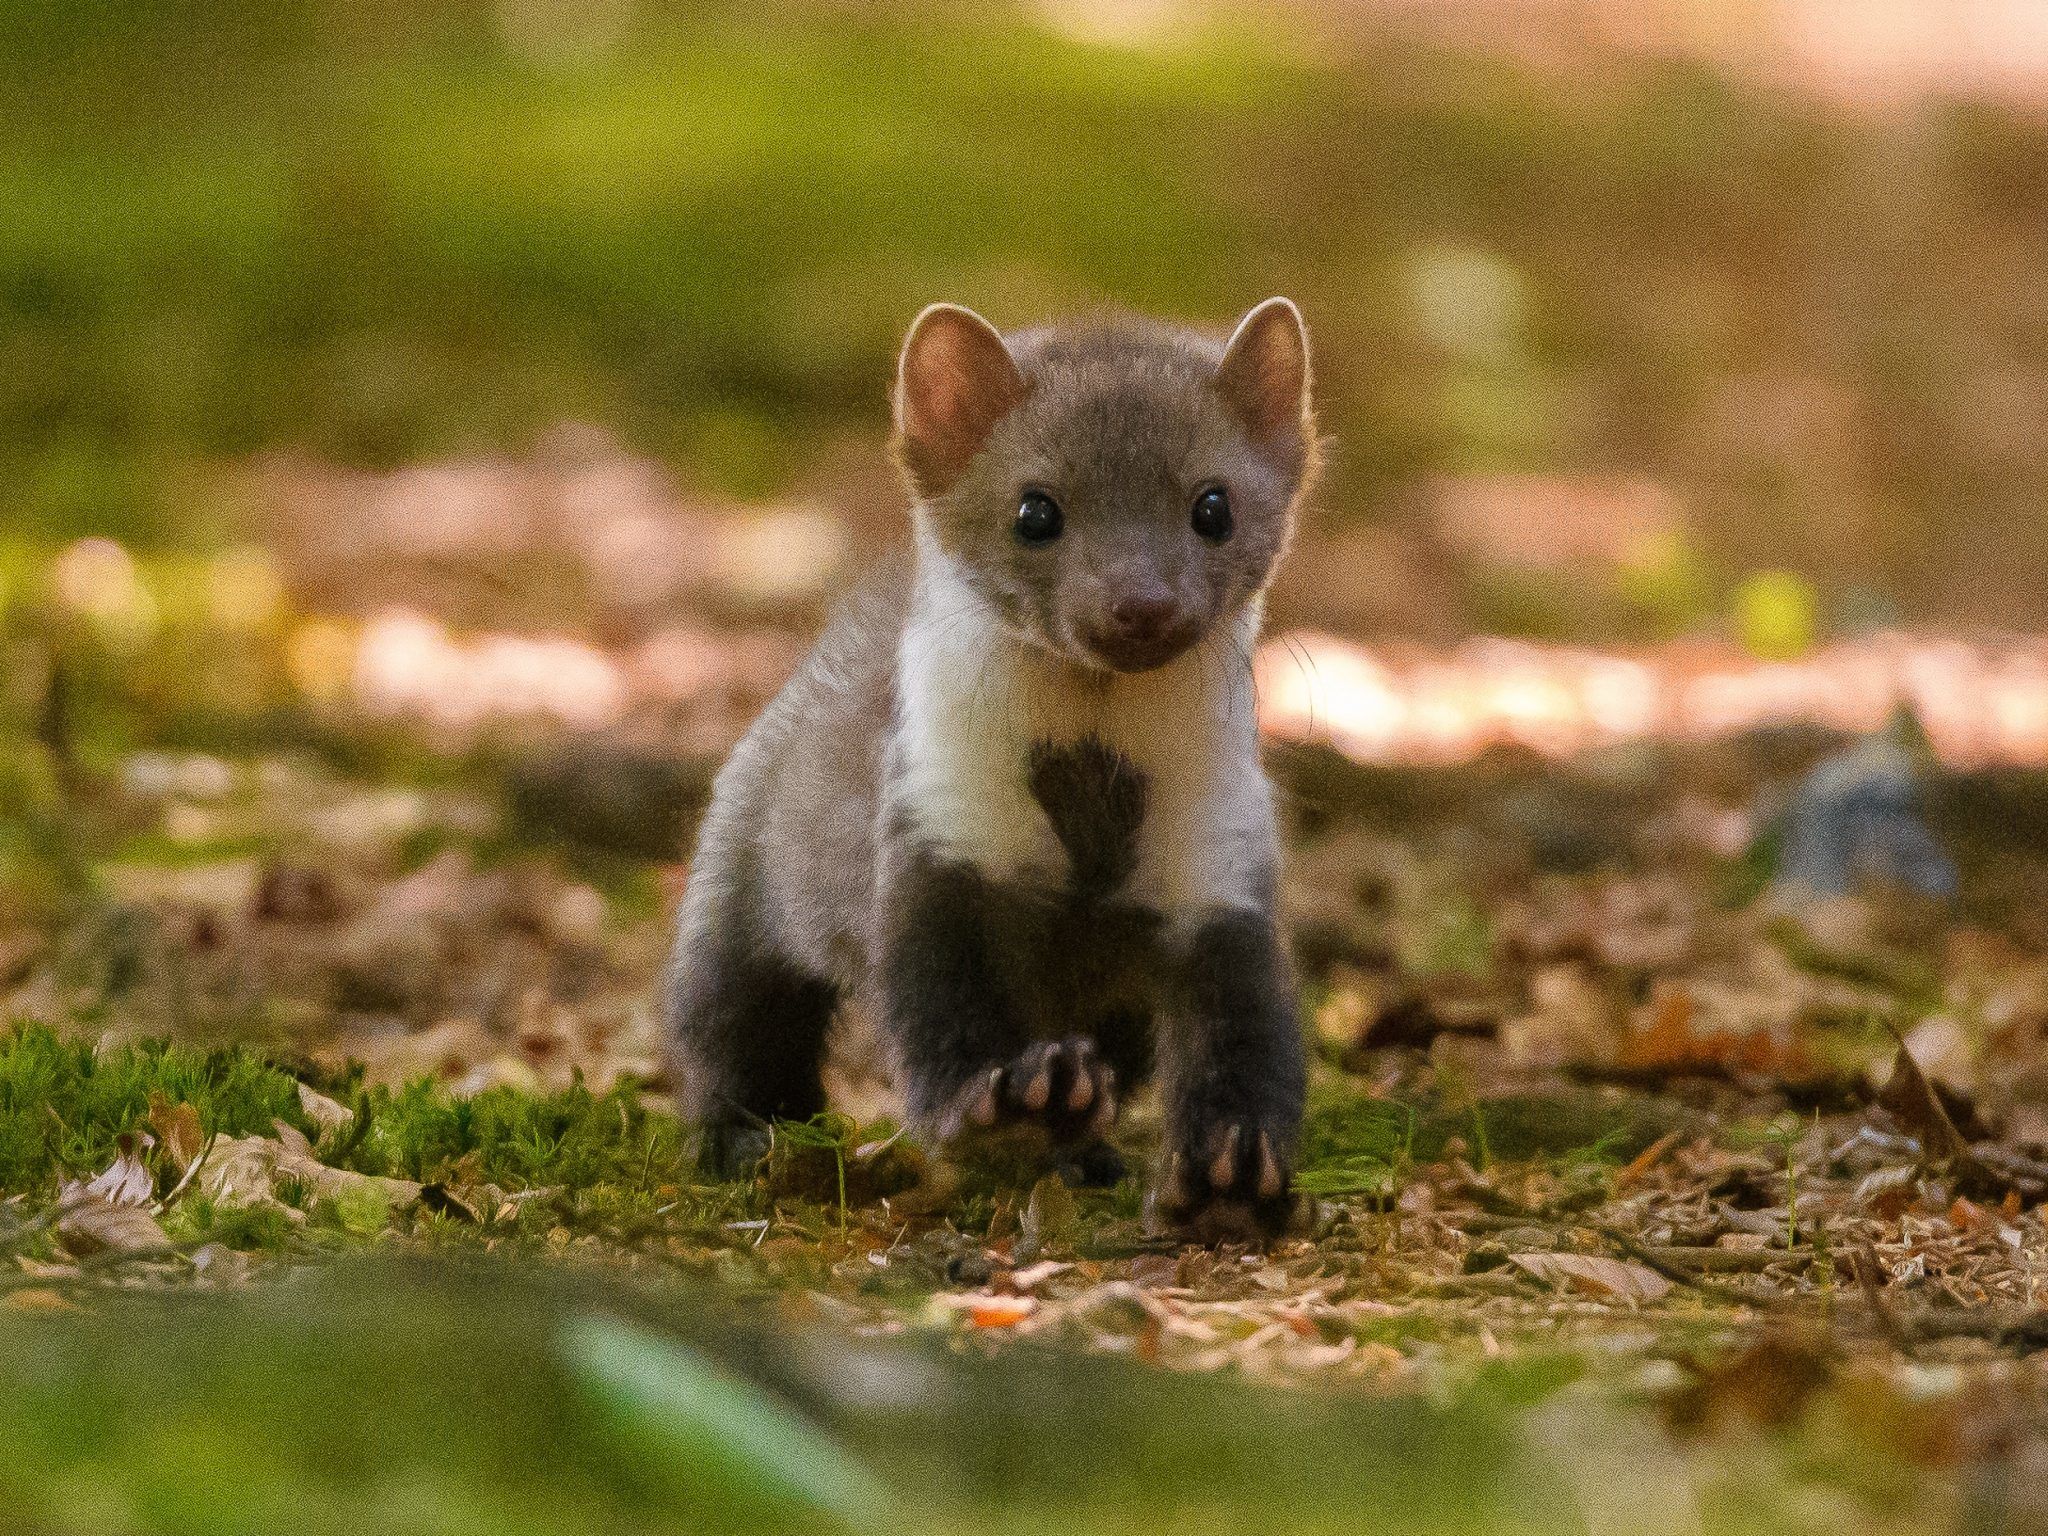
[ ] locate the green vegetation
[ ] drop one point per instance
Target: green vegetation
(518, 1140)
(65, 1104)
(351, 1401)
(1353, 1145)
(449, 225)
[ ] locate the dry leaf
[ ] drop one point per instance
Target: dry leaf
(88, 1224)
(1986, 1171)
(1031, 1277)
(1678, 1042)
(985, 1309)
(1595, 1275)
(1768, 1383)
(125, 1181)
(39, 1298)
(177, 1129)
(328, 1114)
(1912, 1099)
(1641, 1164)
(245, 1170)
(1000, 1311)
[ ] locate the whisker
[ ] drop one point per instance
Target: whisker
(1305, 664)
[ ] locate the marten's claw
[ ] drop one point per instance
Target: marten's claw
(1228, 1183)
(982, 1100)
(1062, 1085)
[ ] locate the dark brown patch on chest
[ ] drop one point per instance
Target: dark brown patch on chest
(1094, 797)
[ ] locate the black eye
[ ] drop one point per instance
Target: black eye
(1211, 516)
(1039, 520)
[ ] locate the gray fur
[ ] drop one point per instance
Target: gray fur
(1067, 902)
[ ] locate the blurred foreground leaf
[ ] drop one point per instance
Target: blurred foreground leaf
(711, 1440)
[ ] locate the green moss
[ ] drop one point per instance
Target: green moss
(1353, 1145)
(63, 1103)
(518, 1140)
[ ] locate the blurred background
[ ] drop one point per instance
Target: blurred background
(486, 399)
(530, 358)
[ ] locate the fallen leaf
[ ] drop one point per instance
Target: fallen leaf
(39, 1298)
(328, 1114)
(1000, 1311)
(1645, 1160)
(1965, 1215)
(88, 1224)
(1911, 1099)
(1032, 1276)
(245, 1170)
(1769, 1382)
(1155, 1269)
(1985, 1171)
(1595, 1275)
(1677, 1042)
(125, 1181)
(177, 1129)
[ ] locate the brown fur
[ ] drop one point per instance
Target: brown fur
(1023, 838)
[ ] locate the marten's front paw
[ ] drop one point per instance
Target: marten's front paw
(1227, 1182)
(729, 1150)
(1063, 1085)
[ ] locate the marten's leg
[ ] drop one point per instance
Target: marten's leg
(1232, 1079)
(749, 1022)
(963, 1050)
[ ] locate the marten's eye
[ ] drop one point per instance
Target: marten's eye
(1211, 517)
(1039, 520)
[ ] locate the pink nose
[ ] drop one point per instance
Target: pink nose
(1144, 615)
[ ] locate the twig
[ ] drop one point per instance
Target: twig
(1868, 1272)
(1678, 1274)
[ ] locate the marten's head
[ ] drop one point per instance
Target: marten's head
(1112, 491)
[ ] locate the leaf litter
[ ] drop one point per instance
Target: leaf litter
(1585, 1085)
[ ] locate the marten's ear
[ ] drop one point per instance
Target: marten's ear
(1263, 378)
(954, 382)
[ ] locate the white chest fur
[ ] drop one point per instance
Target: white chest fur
(974, 701)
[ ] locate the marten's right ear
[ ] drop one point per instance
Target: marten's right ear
(954, 382)
(1264, 379)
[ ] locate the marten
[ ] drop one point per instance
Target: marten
(1013, 801)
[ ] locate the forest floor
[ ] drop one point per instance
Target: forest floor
(1613, 1158)
(1641, 1189)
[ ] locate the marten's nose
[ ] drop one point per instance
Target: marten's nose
(1144, 615)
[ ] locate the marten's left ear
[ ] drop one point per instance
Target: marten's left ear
(954, 382)
(1263, 378)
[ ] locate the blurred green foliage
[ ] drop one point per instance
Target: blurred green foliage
(390, 231)
(348, 1401)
